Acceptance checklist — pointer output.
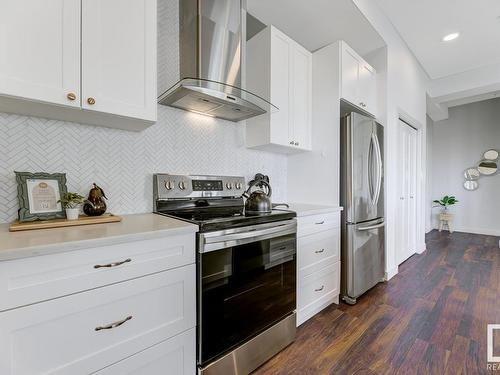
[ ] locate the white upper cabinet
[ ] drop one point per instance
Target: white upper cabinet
(280, 88)
(350, 76)
(119, 57)
(368, 87)
(301, 95)
(40, 50)
(88, 61)
(279, 69)
(358, 80)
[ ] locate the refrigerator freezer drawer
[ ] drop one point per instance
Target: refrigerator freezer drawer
(363, 257)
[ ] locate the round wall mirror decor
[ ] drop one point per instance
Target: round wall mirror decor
(487, 167)
(472, 174)
(491, 155)
(471, 185)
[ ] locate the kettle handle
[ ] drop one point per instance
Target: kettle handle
(258, 182)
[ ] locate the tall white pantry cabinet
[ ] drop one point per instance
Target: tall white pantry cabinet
(89, 61)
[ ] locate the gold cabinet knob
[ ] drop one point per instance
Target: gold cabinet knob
(91, 101)
(71, 96)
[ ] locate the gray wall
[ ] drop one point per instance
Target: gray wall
(123, 162)
(458, 143)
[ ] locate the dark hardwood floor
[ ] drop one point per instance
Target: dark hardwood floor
(429, 319)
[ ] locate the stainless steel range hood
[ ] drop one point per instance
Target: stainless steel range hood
(210, 63)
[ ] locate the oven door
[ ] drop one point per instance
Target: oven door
(246, 283)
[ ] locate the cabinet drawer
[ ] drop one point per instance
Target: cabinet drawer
(318, 286)
(316, 223)
(317, 251)
(35, 279)
(174, 356)
(69, 336)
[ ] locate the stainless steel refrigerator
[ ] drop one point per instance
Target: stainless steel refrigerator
(362, 196)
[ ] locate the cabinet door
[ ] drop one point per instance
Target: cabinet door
(367, 88)
(40, 50)
(350, 77)
(174, 356)
(301, 93)
(85, 332)
(280, 87)
(119, 57)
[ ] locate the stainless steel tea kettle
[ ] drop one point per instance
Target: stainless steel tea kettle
(258, 202)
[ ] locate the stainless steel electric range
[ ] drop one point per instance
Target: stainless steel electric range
(246, 267)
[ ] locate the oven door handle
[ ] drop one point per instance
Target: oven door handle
(211, 243)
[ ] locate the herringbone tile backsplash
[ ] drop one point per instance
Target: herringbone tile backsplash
(122, 162)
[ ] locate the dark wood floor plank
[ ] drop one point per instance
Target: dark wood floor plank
(429, 319)
(414, 359)
(457, 362)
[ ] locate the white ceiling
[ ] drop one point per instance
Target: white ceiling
(423, 23)
(315, 24)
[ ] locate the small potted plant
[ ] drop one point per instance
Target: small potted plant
(71, 203)
(445, 202)
(445, 218)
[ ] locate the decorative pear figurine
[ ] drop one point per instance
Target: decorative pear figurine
(95, 205)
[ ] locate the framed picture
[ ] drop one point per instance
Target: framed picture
(39, 195)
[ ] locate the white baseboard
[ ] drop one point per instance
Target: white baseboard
(422, 248)
(389, 274)
(486, 232)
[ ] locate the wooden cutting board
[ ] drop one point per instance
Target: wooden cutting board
(17, 226)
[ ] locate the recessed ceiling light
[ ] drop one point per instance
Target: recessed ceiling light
(450, 37)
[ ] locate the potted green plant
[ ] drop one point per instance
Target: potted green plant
(71, 202)
(445, 202)
(445, 218)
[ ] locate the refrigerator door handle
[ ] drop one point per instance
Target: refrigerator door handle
(371, 188)
(379, 168)
(372, 227)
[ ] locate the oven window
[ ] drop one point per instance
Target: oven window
(244, 290)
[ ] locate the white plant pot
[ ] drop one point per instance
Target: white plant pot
(72, 213)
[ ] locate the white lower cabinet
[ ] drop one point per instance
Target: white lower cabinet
(35, 279)
(139, 319)
(318, 264)
(176, 356)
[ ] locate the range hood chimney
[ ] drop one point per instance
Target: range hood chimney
(210, 38)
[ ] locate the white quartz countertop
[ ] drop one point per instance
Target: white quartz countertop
(306, 209)
(15, 245)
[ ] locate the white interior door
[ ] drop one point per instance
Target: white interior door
(412, 190)
(402, 248)
(407, 180)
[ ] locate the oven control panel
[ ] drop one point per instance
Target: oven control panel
(169, 186)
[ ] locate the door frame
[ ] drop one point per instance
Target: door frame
(420, 176)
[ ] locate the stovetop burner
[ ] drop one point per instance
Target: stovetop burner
(218, 207)
(209, 221)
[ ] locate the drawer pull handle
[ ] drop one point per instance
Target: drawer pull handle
(114, 325)
(114, 264)
(320, 289)
(319, 251)
(320, 223)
